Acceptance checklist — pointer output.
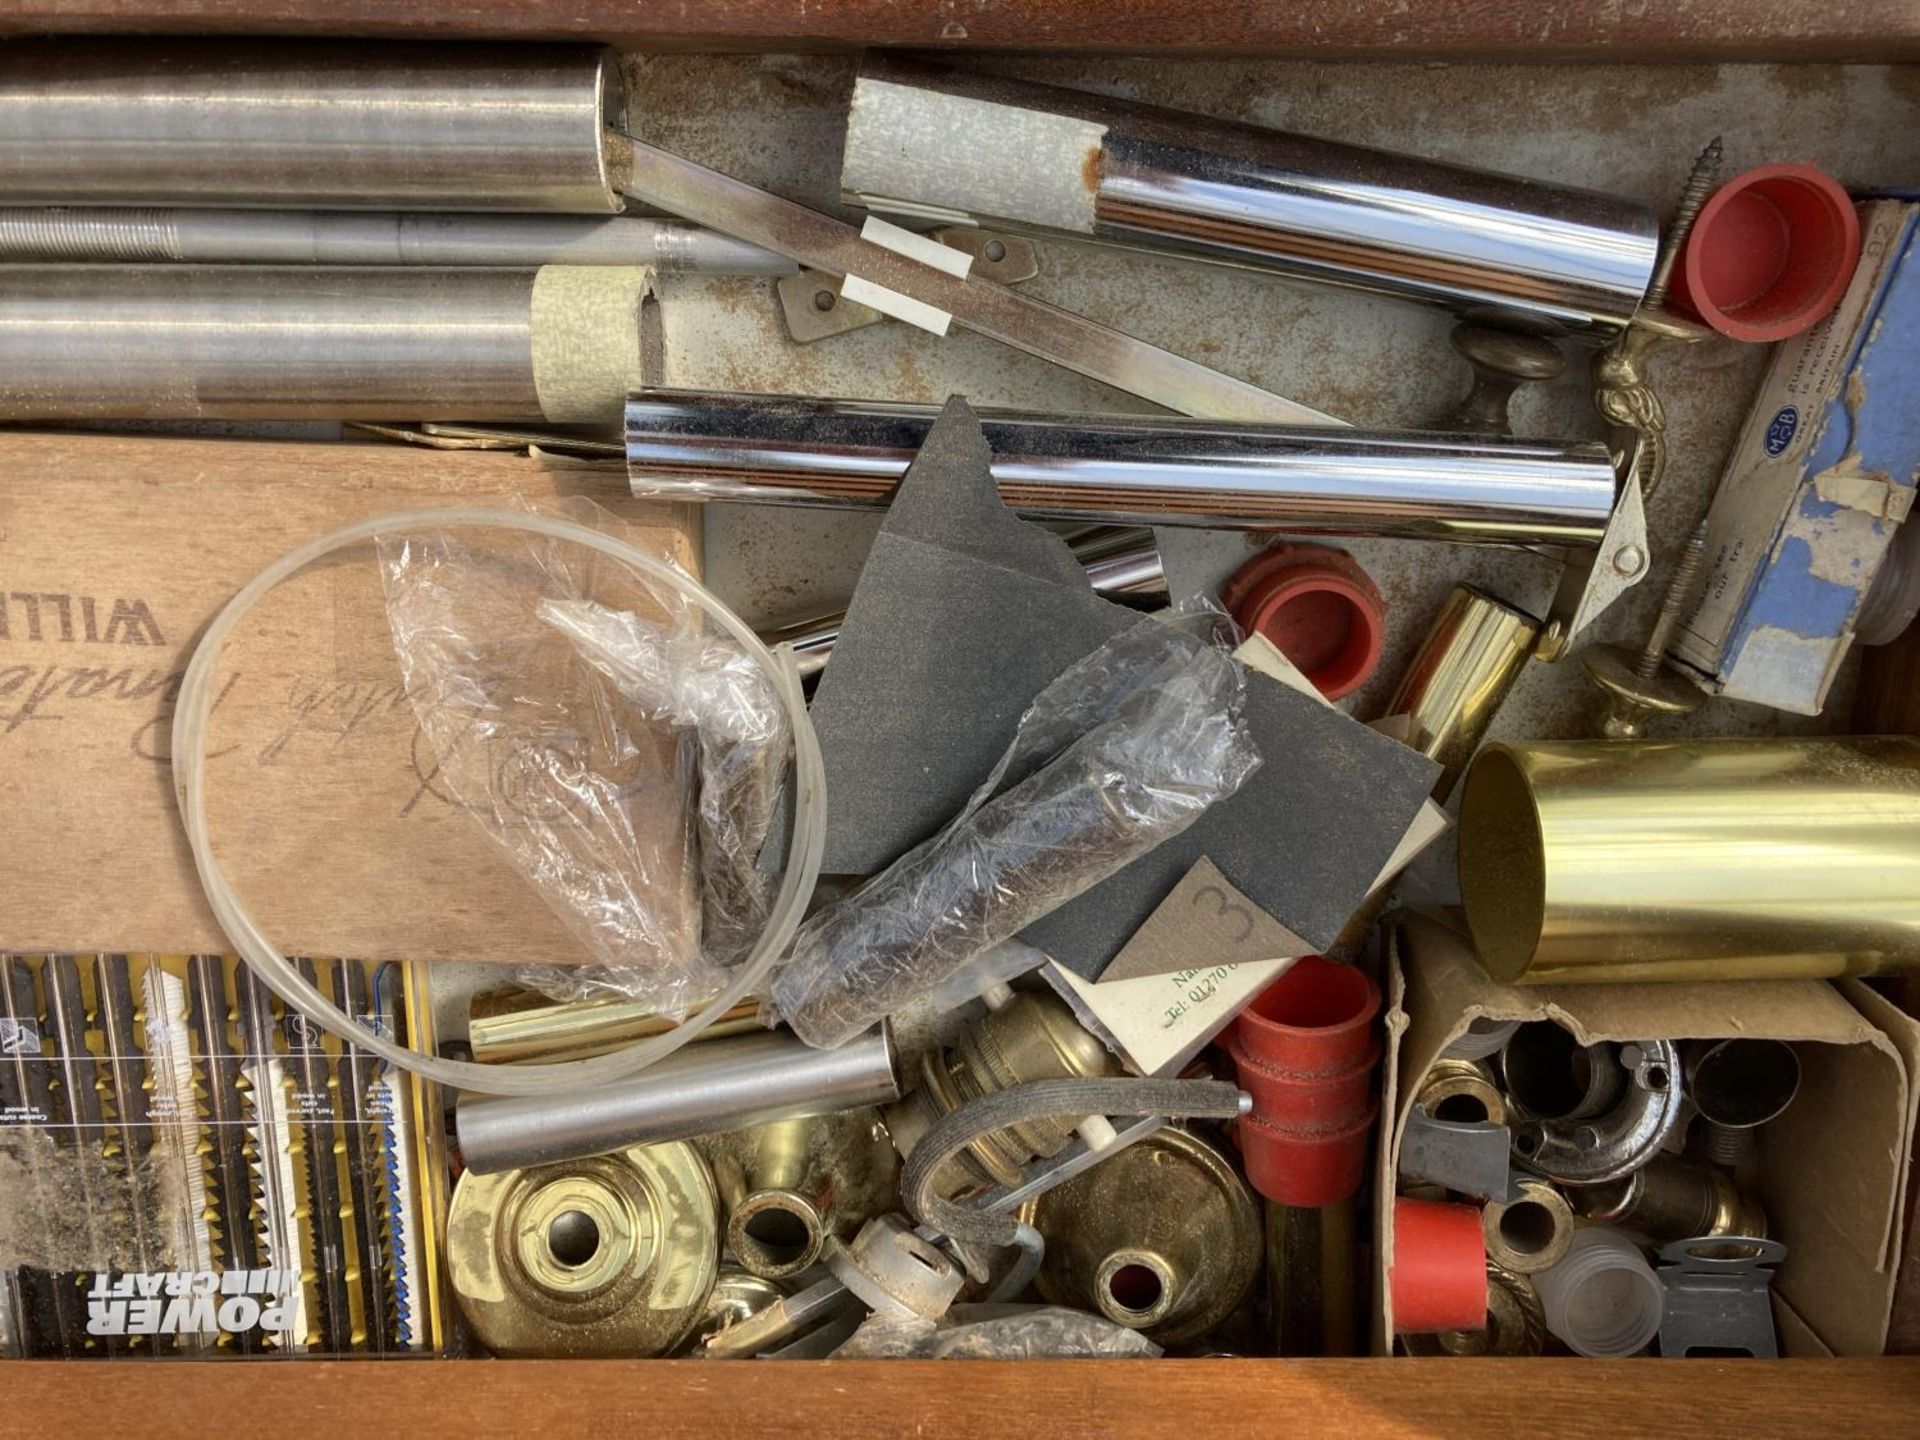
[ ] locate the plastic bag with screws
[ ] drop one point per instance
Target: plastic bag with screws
(623, 753)
(1125, 749)
(996, 1332)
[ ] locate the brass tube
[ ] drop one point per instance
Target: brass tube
(514, 1026)
(1461, 676)
(1697, 860)
(1313, 1260)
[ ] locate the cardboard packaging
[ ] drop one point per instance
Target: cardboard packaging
(1833, 1167)
(114, 555)
(1818, 484)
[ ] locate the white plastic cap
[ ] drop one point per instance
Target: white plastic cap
(1603, 1300)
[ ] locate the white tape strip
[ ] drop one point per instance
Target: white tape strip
(915, 247)
(923, 248)
(891, 302)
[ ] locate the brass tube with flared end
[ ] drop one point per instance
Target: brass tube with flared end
(1695, 860)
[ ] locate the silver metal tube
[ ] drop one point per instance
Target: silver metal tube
(359, 237)
(169, 342)
(1127, 470)
(955, 146)
(705, 1088)
(1133, 571)
(346, 124)
(175, 342)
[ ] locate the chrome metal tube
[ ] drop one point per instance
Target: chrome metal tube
(168, 342)
(337, 124)
(714, 1086)
(956, 146)
(1134, 571)
(359, 237)
(1130, 470)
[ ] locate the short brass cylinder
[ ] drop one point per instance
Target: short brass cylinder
(1696, 860)
(1668, 1199)
(1460, 676)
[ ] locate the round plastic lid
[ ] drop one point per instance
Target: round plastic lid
(1770, 254)
(1317, 607)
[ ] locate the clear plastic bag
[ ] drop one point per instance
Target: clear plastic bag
(1125, 749)
(621, 753)
(996, 1332)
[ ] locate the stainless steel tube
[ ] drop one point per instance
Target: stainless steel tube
(359, 237)
(1126, 470)
(713, 1086)
(329, 124)
(168, 342)
(931, 142)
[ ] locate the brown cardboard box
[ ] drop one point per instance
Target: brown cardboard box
(326, 807)
(1833, 1166)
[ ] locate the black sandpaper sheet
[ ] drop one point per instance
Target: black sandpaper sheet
(963, 613)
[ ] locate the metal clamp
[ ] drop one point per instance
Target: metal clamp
(1719, 1296)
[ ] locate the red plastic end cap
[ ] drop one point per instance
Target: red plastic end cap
(1315, 1019)
(1317, 607)
(1306, 1168)
(1770, 254)
(1439, 1274)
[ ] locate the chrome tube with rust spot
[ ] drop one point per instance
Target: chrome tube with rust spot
(957, 146)
(1130, 470)
(1694, 860)
(335, 124)
(1460, 678)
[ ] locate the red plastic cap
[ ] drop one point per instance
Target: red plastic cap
(1305, 1051)
(1316, 1019)
(1317, 607)
(1439, 1274)
(1770, 254)
(1306, 1168)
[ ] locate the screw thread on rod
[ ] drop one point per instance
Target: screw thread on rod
(1700, 181)
(1673, 609)
(1730, 1146)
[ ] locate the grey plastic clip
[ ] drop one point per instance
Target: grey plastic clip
(1719, 1296)
(1470, 1157)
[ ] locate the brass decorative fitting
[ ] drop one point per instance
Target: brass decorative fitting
(1164, 1237)
(610, 1256)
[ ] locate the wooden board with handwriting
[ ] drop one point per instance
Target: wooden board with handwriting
(329, 812)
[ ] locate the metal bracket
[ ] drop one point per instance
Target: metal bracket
(816, 310)
(1594, 579)
(1719, 1296)
(1470, 1157)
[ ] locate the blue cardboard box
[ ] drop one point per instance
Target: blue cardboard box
(1818, 484)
